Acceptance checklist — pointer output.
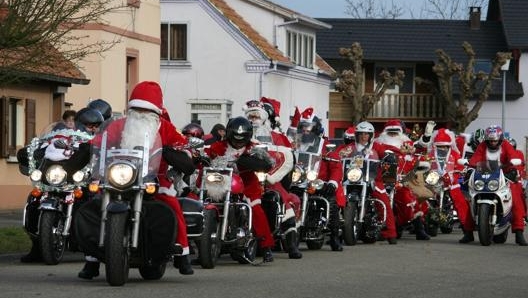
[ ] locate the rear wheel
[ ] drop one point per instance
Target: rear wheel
(501, 238)
(52, 242)
(350, 228)
(116, 251)
(153, 272)
(314, 244)
(485, 230)
(209, 244)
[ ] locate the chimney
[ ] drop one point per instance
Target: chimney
(474, 17)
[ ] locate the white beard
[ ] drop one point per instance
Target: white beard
(136, 125)
(396, 141)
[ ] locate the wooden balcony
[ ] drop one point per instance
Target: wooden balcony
(416, 107)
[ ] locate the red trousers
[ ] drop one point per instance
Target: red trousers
(181, 237)
(518, 210)
(380, 193)
(462, 207)
(260, 224)
(407, 207)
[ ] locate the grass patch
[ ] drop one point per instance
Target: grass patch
(14, 240)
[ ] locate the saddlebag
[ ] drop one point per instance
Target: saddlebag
(193, 213)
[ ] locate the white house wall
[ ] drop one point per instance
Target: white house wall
(218, 71)
(516, 120)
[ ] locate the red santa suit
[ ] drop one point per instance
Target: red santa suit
(451, 177)
(252, 189)
(503, 155)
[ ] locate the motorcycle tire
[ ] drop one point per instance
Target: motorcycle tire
(350, 228)
(209, 242)
(52, 242)
(116, 253)
(152, 272)
(447, 229)
(248, 255)
(314, 244)
(501, 238)
(485, 230)
(431, 229)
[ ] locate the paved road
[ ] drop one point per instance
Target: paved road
(438, 268)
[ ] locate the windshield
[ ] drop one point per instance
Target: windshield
(366, 160)
(121, 142)
(488, 166)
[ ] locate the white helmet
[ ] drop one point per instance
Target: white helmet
(365, 127)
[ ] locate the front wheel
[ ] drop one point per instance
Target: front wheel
(52, 242)
(485, 229)
(350, 229)
(314, 244)
(116, 252)
(153, 272)
(209, 243)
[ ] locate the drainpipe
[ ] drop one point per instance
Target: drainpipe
(261, 78)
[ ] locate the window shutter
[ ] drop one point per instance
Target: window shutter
(4, 126)
(30, 120)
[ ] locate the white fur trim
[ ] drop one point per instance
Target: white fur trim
(454, 186)
(185, 250)
(90, 259)
(252, 203)
(168, 191)
(285, 168)
(288, 214)
(143, 104)
(380, 190)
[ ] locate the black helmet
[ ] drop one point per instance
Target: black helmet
(193, 130)
(102, 106)
(88, 116)
(239, 132)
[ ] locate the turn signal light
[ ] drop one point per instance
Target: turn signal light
(35, 192)
(150, 188)
(311, 190)
(78, 193)
(93, 187)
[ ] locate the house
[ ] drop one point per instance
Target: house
(133, 29)
(410, 45)
(26, 108)
(218, 54)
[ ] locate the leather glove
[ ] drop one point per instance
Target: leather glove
(330, 190)
(429, 127)
(511, 175)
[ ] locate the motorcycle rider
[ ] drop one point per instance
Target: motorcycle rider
(406, 205)
(311, 132)
(259, 114)
(522, 172)
(237, 147)
(102, 106)
(364, 135)
(144, 109)
(86, 119)
(495, 149)
(444, 153)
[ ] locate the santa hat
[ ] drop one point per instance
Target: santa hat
(274, 104)
(442, 138)
(393, 125)
(308, 115)
(350, 132)
(147, 95)
(255, 106)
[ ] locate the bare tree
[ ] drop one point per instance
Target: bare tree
(36, 35)
(429, 9)
(459, 111)
(351, 83)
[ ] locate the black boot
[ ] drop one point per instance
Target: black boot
(268, 255)
(291, 244)
(335, 243)
(34, 255)
(392, 240)
(419, 229)
(183, 263)
(519, 238)
(90, 270)
(468, 237)
(333, 225)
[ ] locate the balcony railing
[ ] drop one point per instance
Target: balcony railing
(408, 106)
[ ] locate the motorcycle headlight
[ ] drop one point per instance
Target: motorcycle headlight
(78, 176)
(317, 184)
(121, 175)
(354, 175)
(36, 175)
(432, 178)
(55, 175)
(478, 185)
(297, 175)
(311, 175)
(214, 178)
(261, 176)
(493, 185)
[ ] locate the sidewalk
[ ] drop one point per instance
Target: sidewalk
(11, 218)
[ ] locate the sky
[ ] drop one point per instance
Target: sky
(328, 8)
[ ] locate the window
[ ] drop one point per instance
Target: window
(482, 65)
(408, 81)
(300, 48)
(13, 125)
(173, 42)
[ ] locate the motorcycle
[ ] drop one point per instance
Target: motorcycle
(360, 218)
(441, 214)
(491, 201)
(58, 171)
(315, 208)
(126, 228)
(227, 217)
